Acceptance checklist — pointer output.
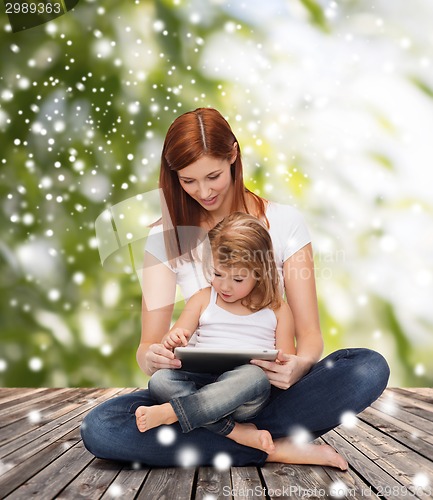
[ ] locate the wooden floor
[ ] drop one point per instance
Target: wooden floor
(389, 449)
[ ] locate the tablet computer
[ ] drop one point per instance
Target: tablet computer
(218, 360)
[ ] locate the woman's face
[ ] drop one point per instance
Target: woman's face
(209, 182)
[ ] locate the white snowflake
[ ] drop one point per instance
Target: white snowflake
(115, 491)
(419, 370)
(34, 416)
(421, 480)
(188, 457)
(338, 489)
(35, 364)
(166, 435)
(222, 461)
(5, 466)
(348, 419)
(300, 436)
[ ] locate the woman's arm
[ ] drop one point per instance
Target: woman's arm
(159, 291)
(300, 286)
(285, 331)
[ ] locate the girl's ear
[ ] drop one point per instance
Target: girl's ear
(234, 153)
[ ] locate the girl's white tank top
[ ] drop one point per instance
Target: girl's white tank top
(219, 328)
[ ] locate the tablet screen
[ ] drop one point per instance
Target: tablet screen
(200, 359)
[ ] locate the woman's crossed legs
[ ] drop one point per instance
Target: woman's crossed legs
(348, 380)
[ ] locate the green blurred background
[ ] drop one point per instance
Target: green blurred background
(332, 104)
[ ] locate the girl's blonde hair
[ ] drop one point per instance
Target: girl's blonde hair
(241, 240)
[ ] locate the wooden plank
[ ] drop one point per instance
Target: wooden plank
(36, 440)
(295, 481)
(395, 411)
(26, 452)
(212, 483)
(41, 453)
(393, 457)
(126, 484)
(398, 461)
(404, 433)
(37, 419)
(246, 483)
(386, 449)
(40, 403)
(374, 475)
(93, 481)
(418, 392)
(413, 405)
(55, 476)
(9, 395)
(23, 401)
(28, 468)
(168, 484)
(346, 484)
(56, 420)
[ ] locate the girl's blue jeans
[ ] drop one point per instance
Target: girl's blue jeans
(213, 401)
(346, 380)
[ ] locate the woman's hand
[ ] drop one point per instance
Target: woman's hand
(285, 371)
(157, 357)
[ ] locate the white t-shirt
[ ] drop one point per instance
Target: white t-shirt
(288, 232)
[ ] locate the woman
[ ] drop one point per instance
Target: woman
(201, 181)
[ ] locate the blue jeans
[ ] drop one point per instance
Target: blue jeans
(213, 401)
(346, 380)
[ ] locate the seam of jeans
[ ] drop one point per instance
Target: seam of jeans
(132, 406)
(181, 415)
(228, 427)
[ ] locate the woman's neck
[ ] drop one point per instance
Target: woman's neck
(212, 217)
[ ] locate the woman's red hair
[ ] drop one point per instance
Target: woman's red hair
(203, 132)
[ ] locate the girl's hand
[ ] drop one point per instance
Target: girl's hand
(176, 338)
(157, 357)
(285, 371)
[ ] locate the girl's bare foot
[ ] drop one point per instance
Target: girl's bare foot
(249, 435)
(313, 454)
(149, 417)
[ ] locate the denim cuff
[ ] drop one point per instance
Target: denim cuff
(180, 414)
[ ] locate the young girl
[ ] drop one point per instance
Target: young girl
(243, 308)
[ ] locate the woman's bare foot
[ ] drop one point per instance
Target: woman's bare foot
(149, 417)
(249, 435)
(313, 454)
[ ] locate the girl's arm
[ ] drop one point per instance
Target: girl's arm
(189, 318)
(285, 331)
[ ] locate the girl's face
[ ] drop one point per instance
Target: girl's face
(232, 283)
(209, 182)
